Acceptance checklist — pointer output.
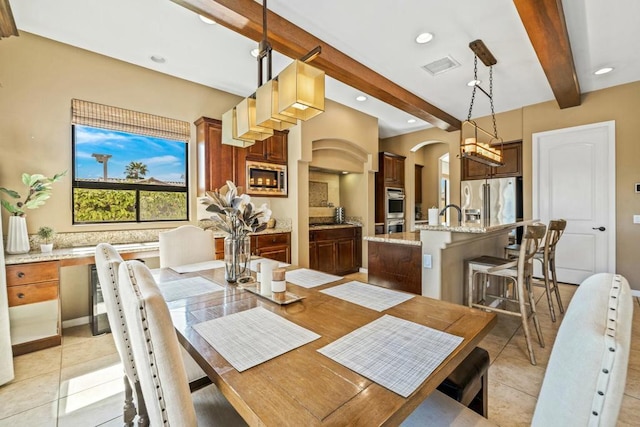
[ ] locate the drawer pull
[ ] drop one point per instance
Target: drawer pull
(20, 295)
(20, 274)
(273, 240)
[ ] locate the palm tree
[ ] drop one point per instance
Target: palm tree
(136, 170)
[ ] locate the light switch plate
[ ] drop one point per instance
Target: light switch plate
(636, 219)
(426, 261)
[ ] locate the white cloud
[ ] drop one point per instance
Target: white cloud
(161, 160)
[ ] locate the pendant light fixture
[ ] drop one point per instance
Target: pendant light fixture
(297, 93)
(476, 143)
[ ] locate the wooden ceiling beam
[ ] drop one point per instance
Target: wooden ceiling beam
(7, 24)
(245, 17)
(547, 30)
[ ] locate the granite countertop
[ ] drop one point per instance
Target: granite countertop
(332, 226)
(89, 250)
(219, 234)
(79, 252)
(405, 238)
(473, 227)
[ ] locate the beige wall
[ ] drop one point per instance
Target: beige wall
(39, 78)
(431, 174)
(620, 103)
(340, 132)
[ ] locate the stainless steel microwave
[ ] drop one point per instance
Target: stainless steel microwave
(266, 179)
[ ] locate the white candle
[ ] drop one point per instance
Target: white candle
(278, 283)
(266, 269)
(258, 273)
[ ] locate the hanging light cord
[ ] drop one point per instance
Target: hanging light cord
(489, 95)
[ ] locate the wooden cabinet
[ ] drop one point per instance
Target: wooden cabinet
(336, 250)
(34, 306)
(272, 149)
(217, 162)
(392, 169)
(218, 243)
(390, 174)
(418, 184)
(273, 246)
(512, 157)
(395, 266)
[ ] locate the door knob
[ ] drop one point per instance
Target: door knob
(601, 228)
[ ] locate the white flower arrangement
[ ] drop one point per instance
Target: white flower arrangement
(235, 214)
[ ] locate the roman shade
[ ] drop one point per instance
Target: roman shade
(108, 117)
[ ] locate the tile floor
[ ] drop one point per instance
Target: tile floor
(80, 382)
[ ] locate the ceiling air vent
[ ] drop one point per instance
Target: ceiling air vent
(441, 65)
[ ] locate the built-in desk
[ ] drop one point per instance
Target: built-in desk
(445, 249)
(33, 289)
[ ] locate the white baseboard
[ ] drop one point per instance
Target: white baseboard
(75, 322)
(364, 270)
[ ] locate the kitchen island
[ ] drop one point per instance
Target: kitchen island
(445, 249)
(394, 261)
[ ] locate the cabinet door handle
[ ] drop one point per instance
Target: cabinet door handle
(20, 295)
(20, 274)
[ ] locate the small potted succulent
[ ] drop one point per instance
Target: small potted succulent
(46, 233)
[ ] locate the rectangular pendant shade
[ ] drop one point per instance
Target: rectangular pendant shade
(228, 131)
(301, 91)
(246, 122)
(267, 108)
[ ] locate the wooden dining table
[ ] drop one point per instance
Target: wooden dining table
(303, 387)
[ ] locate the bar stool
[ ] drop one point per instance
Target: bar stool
(547, 257)
(515, 272)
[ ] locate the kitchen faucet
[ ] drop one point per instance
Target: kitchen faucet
(456, 208)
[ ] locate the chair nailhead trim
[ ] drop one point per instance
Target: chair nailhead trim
(149, 345)
(608, 357)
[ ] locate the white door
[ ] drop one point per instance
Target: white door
(574, 179)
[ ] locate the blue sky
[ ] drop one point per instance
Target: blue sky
(165, 159)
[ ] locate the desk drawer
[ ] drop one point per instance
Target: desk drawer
(28, 294)
(22, 274)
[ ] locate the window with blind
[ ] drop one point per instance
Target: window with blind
(128, 166)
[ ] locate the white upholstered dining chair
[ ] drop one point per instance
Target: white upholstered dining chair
(158, 359)
(107, 262)
(186, 244)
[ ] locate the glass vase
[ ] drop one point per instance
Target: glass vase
(237, 251)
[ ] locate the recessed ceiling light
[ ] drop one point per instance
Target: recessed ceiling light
(603, 70)
(361, 98)
(255, 52)
(345, 173)
(207, 20)
(158, 59)
(411, 121)
(424, 38)
(472, 83)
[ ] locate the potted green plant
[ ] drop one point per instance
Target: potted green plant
(39, 191)
(46, 233)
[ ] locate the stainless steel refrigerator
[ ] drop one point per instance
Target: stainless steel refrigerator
(499, 200)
